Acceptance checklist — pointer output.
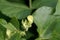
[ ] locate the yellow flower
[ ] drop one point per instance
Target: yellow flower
(30, 19)
(8, 32)
(27, 24)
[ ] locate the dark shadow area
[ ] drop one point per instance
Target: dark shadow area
(32, 0)
(54, 10)
(33, 11)
(27, 2)
(33, 30)
(4, 17)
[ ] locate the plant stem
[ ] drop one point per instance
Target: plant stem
(30, 4)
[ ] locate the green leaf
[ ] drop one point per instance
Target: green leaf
(7, 25)
(57, 8)
(14, 9)
(15, 22)
(57, 28)
(56, 32)
(39, 3)
(44, 21)
(10, 3)
(16, 36)
(17, 1)
(2, 33)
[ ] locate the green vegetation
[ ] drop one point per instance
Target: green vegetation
(29, 19)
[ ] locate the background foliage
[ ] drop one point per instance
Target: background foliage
(45, 19)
